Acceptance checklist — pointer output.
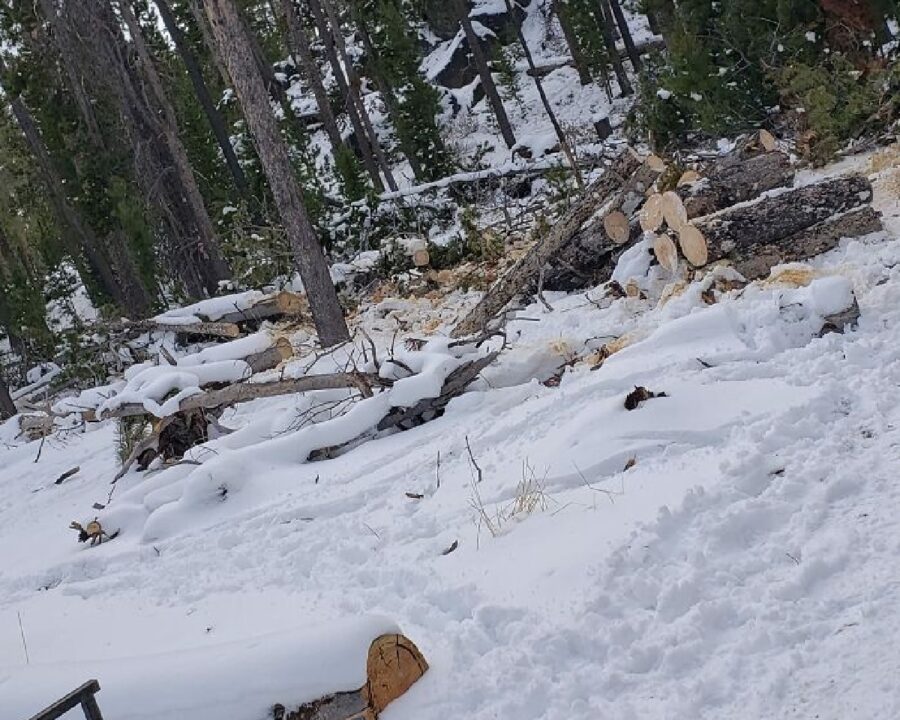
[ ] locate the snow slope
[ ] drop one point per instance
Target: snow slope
(743, 567)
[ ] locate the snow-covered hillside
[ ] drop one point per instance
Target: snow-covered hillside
(742, 566)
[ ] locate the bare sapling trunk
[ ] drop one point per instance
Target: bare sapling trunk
(273, 154)
(625, 32)
(7, 406)
(565, 23)
(607, 27)
(213, 116)
(484, 73)
(560, 135)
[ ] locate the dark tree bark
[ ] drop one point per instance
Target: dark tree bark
(535, 75)
(216, 268)
(484, 73)
(355, 86)
(273, 153)
(300, 46)
(584, 75)
(7, 406)
(607, 27)
(213, 116)
(625, 32)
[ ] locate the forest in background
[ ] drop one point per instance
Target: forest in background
(160, 151)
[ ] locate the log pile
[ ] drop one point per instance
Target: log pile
(740, 209)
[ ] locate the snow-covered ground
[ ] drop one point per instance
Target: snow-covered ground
(744, 566)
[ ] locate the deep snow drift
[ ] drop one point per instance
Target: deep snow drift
(743, 567)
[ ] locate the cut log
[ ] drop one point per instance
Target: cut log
(562, 232)
(688, 177)
(270, 357)
(742, 232)
(617, 227)
(657, 163)
(200, 329)
(282, 304)
(245, 392)
(819, 238)
(693, 245)
(651, 215)
(729, 184)
(674, 211)
(666, 253)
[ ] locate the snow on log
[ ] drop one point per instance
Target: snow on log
(321, 666)
(596, 197)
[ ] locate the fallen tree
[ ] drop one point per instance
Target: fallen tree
(530, 265)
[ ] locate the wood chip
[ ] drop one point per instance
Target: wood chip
(651, 215)
(453, 546)
(656, 163)
(414, 496)
(767, 140)
(688, 177)
(616, 226)
(673, 210)
(693, 245)
(666, 253)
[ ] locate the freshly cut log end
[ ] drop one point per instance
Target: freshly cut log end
(693, 245)
(656, 163)
(617, 227)
(393, 666)
(673, 210)
(421, 258)
(666, 253)
(288, 303)
(767, 140)
(651, 215)
(688, 177)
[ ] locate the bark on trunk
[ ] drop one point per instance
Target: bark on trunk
(607, 26)
(484, 73)
(625, 32)
(7, 406)
(301, 47)
(273, 154)
(208, 40)
(530, 266)
(213, 116)
(214, 268)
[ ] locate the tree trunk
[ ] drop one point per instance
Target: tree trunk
(213, 116)
(208, 40)
(625, 31)
(560, 135)
(562, 231)
(300, 46)
(273, 154)
(584, 75)
(484, 73)
(215, 268)
(607, 26)
(7, 406)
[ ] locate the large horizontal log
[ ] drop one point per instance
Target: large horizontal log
(742, 231)
(282, 304)
(245, 392)
(819, 238)
(198, 329)
(529, 266)
(732, 184)
(586, 260)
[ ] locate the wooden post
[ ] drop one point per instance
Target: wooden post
(83, 696)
